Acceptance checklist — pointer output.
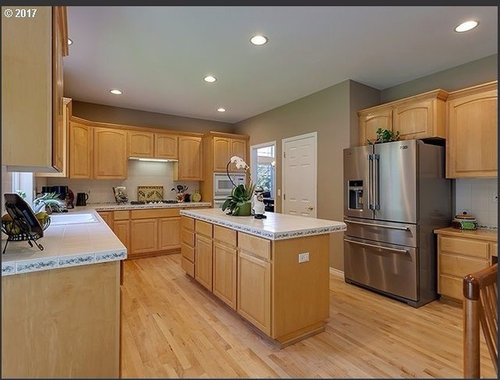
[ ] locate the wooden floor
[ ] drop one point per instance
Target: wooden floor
(172, 327)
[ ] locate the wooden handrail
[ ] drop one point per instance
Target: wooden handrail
(480, 309)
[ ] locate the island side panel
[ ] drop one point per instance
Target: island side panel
(62, 322)
(300, 296)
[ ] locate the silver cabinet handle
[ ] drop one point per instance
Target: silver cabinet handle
(378, 225)
(377, 246)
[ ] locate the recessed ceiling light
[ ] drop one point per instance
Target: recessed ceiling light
(221, 109)
(70, 42)
(210, 79)
(258, 40)
(116, 92)
(466, 26)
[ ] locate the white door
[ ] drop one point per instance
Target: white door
(299, 175)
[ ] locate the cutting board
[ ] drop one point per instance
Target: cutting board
(149, 193)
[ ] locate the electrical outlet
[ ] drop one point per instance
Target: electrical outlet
(279, 192)
(303, 257)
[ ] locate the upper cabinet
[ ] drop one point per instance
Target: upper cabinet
(110, 153)
(416, 117)
(224, 148)
(140, 144)
(472, 130)
(166, 146)
(80, 150)
(189, 166)
(32, 52)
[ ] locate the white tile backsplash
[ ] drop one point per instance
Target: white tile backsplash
(477, 197)
(140, 173)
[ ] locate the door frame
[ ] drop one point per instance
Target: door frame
(283, 172)
(253, 157)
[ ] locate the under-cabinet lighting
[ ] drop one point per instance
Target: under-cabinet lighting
(153, 159)
(466, 26)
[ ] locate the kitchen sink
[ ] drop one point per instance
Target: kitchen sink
(73, 219)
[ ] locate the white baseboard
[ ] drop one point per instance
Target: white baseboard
(336, 272)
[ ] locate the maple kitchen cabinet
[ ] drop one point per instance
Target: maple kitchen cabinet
(203, 254)
(472, 130)
(166, 146)
(110, 154)
(461, 253)
(189, 167)
(187, 245)
(224, 265)
(415, 117)
(80, 150)
(140, 144)
(32, 119)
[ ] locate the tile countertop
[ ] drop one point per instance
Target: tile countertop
(66, 243)
(128, 206)
(275, 227)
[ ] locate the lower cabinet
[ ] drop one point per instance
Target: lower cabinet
(145, 236)
(224, 272)
(254, 290)
(169, 233)
(121, 228)
(203, 261)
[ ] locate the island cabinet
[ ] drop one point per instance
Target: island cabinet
(263, 279)
(415, 117)
(461, 253)
(472, 131)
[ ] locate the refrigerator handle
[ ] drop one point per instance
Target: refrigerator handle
(376, 184)
(370, 181)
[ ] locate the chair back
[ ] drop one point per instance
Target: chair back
(480, 308)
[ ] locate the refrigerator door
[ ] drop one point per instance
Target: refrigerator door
(357, 184)
(395, 181)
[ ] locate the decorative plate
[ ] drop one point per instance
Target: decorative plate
(149, 193)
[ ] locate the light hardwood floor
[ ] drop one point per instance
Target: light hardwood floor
(173, 327)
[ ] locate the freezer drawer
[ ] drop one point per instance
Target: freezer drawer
(386, 267)
(387, 232)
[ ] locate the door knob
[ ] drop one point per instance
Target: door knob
(310, 208)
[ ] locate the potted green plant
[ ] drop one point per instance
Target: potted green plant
(385, 135)
(239, 203)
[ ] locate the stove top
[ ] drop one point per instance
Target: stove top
(153, 202)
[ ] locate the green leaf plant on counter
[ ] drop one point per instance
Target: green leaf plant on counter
(239, 202)
(385, 135)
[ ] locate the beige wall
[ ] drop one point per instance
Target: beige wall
(110, 114)
(330, 113)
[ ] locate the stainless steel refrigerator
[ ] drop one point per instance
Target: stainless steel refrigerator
(396, 194)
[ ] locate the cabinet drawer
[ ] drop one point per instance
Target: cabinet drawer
(157, 213)
(188, 266)
(187, 237)
(187, 252)
(460, 266)
(255, 245)
(451, 287)
(494, 249)
(225, 235)
(203, 228)
(187, 223)
(121, 215)
(467, 247)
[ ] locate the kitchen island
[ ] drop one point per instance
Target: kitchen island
(61, 306)
(273, 272)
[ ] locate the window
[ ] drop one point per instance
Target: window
(264, 166)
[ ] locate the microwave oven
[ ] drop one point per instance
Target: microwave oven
(223, 186)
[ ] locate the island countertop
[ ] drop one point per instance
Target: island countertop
(72, 239)
(275, 227)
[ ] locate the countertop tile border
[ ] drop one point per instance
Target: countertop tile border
(267, 234)
(46, 263)
(112, 207)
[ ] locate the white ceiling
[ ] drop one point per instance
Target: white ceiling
(158, 56)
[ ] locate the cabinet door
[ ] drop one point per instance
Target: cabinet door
(414, 120)
(189, 166)
(238, 148)
(254, 291)
(169, 233)
(121, 228)
(165, 146)
(203, 261)
(222, 153)
(224, 273)
(110, 153)
(143, 236)
(108, 217)
(58, 135)
(140, 144)
(370, 122)
(472, 134)
(80, 151)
